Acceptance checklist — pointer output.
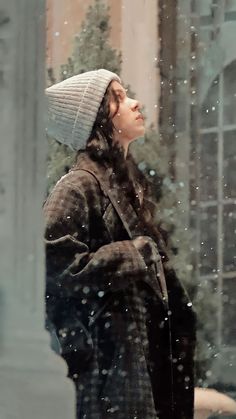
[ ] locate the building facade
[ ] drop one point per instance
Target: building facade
(198, 116)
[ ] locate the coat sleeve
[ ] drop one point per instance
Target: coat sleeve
(71, 266)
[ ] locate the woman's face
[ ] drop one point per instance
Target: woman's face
(128, 120)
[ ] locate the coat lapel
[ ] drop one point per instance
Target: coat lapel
(104, 175)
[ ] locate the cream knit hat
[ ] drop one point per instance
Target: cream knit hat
(73, 106)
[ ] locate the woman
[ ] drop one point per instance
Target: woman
(124, 323)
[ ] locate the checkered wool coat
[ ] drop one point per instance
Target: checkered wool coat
(141, 364)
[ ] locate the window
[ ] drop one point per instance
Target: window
(218, 193)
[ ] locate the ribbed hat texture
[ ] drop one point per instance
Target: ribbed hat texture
(73, 105)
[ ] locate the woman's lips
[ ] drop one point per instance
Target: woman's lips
(140, 116)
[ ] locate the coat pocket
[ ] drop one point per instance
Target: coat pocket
(73, 341)
(71, 338)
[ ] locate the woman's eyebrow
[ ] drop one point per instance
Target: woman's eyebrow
(120, 91)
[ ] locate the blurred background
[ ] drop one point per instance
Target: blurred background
(179, 59)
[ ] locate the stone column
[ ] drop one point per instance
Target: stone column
(33, 383)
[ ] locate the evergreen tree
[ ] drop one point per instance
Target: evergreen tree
(92, 47)
(92, 50)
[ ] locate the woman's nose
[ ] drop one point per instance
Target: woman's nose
(135, 104)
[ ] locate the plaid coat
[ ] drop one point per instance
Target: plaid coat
(141, 365)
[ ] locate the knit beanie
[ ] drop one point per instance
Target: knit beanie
(73, 106)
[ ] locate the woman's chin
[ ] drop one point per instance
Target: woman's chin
(140, 133)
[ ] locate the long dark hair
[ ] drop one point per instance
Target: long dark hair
(100, 144)
(101, 148)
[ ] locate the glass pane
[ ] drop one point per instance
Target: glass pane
(230, 5)
(229, 179)
(204, 36)
(229, 16)
(229, 225)
(193, 6)
(229, 312)
(208, 162)
(230, 94)
(208, 240)
(205, 7)
(209, 114)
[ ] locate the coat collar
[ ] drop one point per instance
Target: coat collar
(106, 176)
